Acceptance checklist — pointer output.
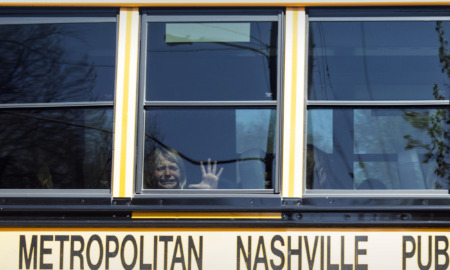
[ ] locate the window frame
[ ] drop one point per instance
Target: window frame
(208, 15)
(26, 16)
(363, 14)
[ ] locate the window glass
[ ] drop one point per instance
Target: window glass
(376, 60)
(57, 83)
(376, 117)
(230, 61)
(207, 32)
(64, 62)
(56, 148)
(383, 148)
(209, 101)
(241, 141)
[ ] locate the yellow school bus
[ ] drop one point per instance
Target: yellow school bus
(203, 134)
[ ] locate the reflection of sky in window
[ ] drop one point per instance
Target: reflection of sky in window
(57, 62)
(320, 129)
(212, 70)
(252, 129)
(376, 60)
(93, 44)
(383, 131)
(375, 131)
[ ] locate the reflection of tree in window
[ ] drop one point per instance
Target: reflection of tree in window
(35, 67)
(213, 70)
(435, 123)
(72, 147)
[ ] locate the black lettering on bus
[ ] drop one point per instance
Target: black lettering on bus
(197, 255)
(262, 259)
(322, 252)
(108, 253)
(330, 266)
(419, 250)
(97, 239)
(76, 253)
(344, 266)
(43, 251)
(407, 254)
(358, 252)
(247, 255)
(165, 239)
(178, 259)
(27, 256)
(441, 257)
(277, 252)
(61, 239)
(292, 252)
(310, 258)
(155, 252)
(142, 265)
(128, 238)
(441, 252)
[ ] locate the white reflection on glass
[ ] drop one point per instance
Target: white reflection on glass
(252, 130)
(207, 32)
(320, 129)
(254, 141)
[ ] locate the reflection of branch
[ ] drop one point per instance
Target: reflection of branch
(192, 161)
(57, 121)
(435, 124)
(223, 43)
(246, 48)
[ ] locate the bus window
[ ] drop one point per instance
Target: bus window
(378, 94)
(210, 97)
(56, 105)
(212, 68)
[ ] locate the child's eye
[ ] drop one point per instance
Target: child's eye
(160, 169)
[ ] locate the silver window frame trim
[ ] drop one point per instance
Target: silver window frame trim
(58, 20)
(57, 105)
(146, 18)
(49, 19)
(310, 104)
(204, 193)
(376, 193)
(278, 137)
(271, 103)
(378, 19)
(210, 18)
(54, 193)
(367, 103)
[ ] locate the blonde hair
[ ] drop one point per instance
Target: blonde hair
(156, 157)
